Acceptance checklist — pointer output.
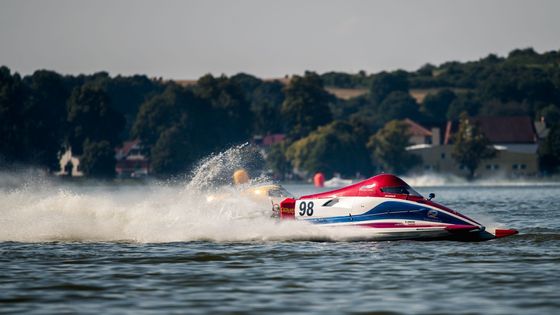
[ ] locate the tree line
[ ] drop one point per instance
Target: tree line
(44, 113)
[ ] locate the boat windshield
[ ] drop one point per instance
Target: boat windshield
(402, 190)
(279, 192)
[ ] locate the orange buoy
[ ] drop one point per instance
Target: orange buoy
(240, 177)
(319, 179)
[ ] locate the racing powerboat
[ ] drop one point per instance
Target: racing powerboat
(390, 209)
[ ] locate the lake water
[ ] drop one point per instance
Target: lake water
(165, 249)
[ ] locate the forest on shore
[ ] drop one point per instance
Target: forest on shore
(43, 114)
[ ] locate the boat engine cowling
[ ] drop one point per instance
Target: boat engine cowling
(287, 208)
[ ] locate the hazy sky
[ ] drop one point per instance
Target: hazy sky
(186, 39)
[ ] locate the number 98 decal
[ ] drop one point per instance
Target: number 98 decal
(306, 208)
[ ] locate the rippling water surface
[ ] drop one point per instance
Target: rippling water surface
(164, 249)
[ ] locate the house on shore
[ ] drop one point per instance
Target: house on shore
(131, 160)
(514, 138)
(69, 165)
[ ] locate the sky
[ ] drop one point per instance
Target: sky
(187, 39)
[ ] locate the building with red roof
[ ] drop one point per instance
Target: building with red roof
(514, 138)
(131, 160)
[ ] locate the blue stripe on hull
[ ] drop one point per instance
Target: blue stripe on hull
(393, 210)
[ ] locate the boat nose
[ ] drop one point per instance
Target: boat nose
(505, 232)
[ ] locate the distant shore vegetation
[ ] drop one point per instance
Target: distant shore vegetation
(332, 122)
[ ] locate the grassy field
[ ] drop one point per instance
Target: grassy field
(346, 94)
(420, 94)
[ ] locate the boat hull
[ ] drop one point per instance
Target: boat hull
(385, 207)
(388, 231)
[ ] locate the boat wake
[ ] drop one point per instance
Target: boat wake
(39, 209)
(439, 180)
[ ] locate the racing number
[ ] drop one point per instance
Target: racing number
(306, 208)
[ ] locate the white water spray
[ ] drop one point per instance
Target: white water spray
(45, 210)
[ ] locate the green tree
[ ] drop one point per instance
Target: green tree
(463, 102)
(549, 151)
(91, 117)
(12, 118)
(343, 109)
(277, 161)
(435, 106)
(179, 127)
(518, 83)
(45, 118)
(248, 83)
(397, 105)
(385, 83)
(232, 109)
(550, 114)
(471, 146)
(329, 149)
(172, 152)
(162, 112)
(388, 148)
(266, 105)
(510, 108)
(98, 159)
(305, 106)
(338, 79)
(426, 70)
(127, 94)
